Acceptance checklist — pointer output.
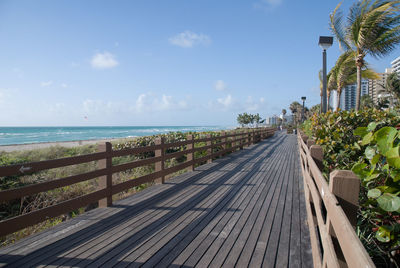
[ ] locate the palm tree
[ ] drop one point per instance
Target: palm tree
(373, 28)
(345, 73)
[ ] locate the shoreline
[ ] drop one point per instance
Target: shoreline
(41, 145)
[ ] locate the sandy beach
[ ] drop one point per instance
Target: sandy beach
(40, 145)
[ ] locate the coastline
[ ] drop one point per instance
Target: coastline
(41, 145)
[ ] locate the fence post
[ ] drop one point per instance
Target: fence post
(160, 164)
(310, 142)
(242, 138)
(223, 134)
(190, 155)
(105, 182)
(345, 185)
(209, 150)
(317, 154)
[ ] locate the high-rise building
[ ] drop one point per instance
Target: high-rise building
(349, 93)
(396, 65)
(376, 87)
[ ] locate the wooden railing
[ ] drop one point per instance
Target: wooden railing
(331, 211)
(236, 140)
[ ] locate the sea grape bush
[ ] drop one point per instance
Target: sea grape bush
(334, 132)
(379, 171)
(360, 141)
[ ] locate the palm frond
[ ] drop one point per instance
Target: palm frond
(337, 27)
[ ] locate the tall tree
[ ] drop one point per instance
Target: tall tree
(345, 73)
(373, 28)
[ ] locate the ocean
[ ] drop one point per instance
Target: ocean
(26, 135)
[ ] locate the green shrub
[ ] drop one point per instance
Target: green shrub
(379, 170)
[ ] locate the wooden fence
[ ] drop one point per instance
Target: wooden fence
(226, 142)
(331, 211)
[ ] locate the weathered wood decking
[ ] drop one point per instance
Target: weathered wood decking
(246, 209)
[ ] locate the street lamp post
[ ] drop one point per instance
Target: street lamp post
(302, 111)
(325, 42)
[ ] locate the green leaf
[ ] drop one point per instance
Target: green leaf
(389, 202)
(358, 169)
(374, 193)
(375, 159)
(395, 175)
(383, 234)
(384, 138)
(392, 152)
(394, 162)
(369, 152)
(371, 126)
(367, 139)
(357, 146)
(361, 131)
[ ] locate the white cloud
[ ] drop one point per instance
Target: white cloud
(188, 39)
(220, 85)
(149, 102)
(64, 85)
(267, 4)
(104, 60)
(226, 102)
(46, 83)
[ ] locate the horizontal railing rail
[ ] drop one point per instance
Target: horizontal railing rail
(331, 222)
(214, 147)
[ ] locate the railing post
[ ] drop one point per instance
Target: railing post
(310, 142)
(190, 155)
(317, 153)
(209, 150)
(160, 164)
(345, 185)
(223, 134)
(241, 137)
(105, 182)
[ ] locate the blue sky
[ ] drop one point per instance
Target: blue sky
(177, 62)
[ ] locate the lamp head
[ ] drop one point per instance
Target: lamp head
(325, 42)
(303, 98)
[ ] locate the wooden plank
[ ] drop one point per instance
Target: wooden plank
(33, 167)
(135, 164)
(111, 222)
(49, 185)
(24, 244)
(261, 246)
(282, 255)
(137, 150)
(17, 223)
(240, 235)
(117, 235)
(117, 252)
(218, 251)
(175, 248)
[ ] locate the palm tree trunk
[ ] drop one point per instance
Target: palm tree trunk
(358, 93)
(339, 92)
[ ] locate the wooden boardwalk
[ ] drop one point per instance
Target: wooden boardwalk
(246, 209)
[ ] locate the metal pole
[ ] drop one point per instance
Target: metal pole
(324, 104)
(302, 113)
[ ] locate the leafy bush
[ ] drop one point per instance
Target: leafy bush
(350, 141)
(334, 132)
(379, 170)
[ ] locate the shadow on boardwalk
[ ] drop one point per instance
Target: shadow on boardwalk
(246, 209)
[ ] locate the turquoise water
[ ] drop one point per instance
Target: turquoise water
(23, 135)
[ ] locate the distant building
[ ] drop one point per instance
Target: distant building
(275, 120)
(376, 87)
(396, 65)
(349, 93)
